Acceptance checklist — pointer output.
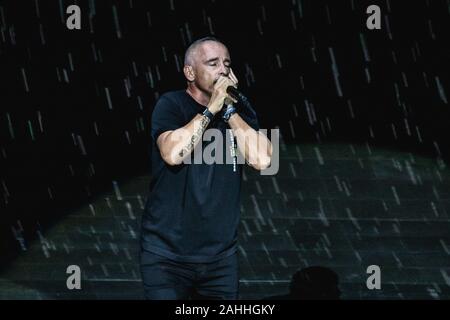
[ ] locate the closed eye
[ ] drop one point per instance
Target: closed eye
(214, 63)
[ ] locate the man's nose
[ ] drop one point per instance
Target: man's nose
(224, 71)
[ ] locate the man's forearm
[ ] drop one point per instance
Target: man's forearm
(181, 142)
(254, 145)
(194, 138)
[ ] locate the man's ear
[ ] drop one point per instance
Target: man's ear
(189, 73)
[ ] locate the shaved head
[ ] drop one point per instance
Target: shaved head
(191, 51)
(206, 60)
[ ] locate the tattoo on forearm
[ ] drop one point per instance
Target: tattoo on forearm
(195, 137)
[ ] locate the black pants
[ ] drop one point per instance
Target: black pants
(165, 279)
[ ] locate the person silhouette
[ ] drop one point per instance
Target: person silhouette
(312, 283)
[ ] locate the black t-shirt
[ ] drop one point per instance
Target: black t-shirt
(192, 212)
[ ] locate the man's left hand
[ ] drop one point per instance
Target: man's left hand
(233, 78)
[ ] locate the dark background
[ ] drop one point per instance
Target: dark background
(62, 142)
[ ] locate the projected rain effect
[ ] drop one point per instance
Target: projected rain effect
(363, 174)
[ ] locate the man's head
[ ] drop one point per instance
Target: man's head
(205, 61)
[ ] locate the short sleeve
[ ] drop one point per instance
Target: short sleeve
(248, 114)
(166, 116)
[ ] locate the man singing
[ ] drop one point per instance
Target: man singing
(191, 218)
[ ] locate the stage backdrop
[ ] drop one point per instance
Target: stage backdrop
(76, 104)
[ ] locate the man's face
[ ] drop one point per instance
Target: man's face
(211, 61)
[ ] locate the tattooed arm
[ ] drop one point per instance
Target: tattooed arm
(176, 145)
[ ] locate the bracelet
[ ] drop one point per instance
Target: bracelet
(208, 114)
(229, 112)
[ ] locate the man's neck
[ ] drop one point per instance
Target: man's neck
(198, 95)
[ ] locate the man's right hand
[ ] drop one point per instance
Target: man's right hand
(220, 94)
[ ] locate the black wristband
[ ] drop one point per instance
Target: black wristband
(208, 114)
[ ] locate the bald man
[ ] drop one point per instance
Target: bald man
(191, 217)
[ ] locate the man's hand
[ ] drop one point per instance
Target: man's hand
(220, 95)
(235, 80)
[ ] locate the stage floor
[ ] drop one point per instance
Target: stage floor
(341, 206)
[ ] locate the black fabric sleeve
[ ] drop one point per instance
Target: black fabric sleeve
(166, 116)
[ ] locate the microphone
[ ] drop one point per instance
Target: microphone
(236, 94)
